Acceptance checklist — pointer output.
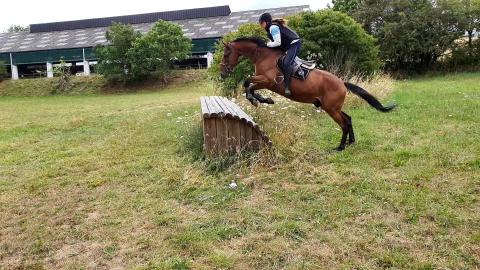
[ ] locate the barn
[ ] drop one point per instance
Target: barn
(34, 53)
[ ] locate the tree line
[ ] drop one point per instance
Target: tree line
(415, 35)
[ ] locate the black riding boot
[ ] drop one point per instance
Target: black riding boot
(288, 79)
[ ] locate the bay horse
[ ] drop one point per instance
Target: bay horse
(321, 88)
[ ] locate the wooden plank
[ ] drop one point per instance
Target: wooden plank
(243, 130)
(238, 128)
(231, 123)
(222, 127)
(215, 110)
(241, 114)
(205, 109)
(234, 133)
(235, 108)
(248, 135)
(210, 133)
(221, 138)
(222, 103)
(256, 140)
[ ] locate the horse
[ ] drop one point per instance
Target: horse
(321, 88)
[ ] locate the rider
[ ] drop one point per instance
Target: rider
(284, 38)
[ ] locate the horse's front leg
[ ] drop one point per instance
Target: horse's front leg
(256, 83)
(250, 93)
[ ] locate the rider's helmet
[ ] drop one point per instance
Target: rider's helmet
(266, 17)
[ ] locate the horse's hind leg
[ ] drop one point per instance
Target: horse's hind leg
(351, 134)
(342, 121)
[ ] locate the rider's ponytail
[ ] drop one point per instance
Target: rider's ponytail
(280, 21)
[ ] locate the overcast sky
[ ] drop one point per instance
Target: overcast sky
(33, 11)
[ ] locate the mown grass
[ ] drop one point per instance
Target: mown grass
(119, 181)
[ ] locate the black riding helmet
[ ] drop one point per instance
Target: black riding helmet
(266, 17)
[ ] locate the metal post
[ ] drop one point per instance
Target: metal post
(86, 65)
(49, 70)
(13, 68)
(209, 59)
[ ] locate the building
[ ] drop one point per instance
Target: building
(34, 53)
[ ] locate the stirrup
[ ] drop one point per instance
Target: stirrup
(288, 92)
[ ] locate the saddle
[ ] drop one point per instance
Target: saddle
(301, 68)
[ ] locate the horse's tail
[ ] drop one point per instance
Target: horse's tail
(357, 90)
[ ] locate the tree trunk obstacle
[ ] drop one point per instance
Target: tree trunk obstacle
(228, 129)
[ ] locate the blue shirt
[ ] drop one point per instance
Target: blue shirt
(277, 37)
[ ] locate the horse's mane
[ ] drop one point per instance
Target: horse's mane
(260, 42)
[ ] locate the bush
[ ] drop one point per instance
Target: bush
(64, 78)
(3, 71)
(230, 85)
(464, 56)
(337, 43)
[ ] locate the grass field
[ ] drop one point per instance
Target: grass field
(119, 182)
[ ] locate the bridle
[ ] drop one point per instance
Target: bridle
(228, 67)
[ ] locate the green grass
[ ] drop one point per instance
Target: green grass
(120, 181)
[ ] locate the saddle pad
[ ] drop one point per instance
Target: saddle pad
(302, 73)
(302, 70)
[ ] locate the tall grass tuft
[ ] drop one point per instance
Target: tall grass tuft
(380, 86)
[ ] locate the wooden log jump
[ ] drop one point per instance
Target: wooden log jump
(228, 129)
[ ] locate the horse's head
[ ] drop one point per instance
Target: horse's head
(229, 60)
(243, 46)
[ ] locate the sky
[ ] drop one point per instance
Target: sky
(33, 11)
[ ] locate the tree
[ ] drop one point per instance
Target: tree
(468, 15)
(244, 68)
(155, 51)
(412, 33)
(337, 42)
(131, 56)
(64, 81)
(345, 6)
(17, 28)
(114, 62)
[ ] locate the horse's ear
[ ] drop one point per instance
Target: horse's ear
(226, 46)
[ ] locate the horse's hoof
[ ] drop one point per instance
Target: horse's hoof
(254, 102)
(340, 148)
(269, 101)
(352, 142)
